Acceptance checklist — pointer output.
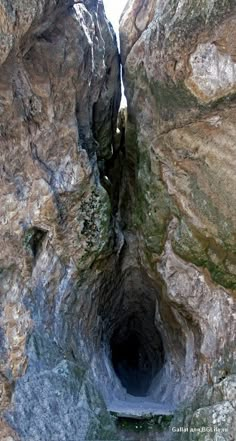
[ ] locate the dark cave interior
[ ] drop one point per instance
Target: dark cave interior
(137, 354)
(146, 342)
(133, 341)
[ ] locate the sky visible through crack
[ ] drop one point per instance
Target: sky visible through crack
(114, 9)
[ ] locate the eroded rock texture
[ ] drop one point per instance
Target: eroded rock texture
(59, 97)
(118, 249)
(179, 72)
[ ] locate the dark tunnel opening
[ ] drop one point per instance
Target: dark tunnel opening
(137, 354)
(146, 343)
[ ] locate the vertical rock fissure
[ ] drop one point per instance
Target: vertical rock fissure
(117, 248)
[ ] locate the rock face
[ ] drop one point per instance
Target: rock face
(59, 97)
(179, 70)
(118, 248)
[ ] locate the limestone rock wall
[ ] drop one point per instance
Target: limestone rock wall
(59, 97)
(179, 72)
(113, 238)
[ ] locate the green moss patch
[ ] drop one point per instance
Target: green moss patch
(194, 247)
(153, 206)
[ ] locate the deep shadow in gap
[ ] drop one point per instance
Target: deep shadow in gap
(137, 354)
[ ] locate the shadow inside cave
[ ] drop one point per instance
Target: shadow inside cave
(137, 353)
(146, 346)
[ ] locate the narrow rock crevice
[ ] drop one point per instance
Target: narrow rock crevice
(117, 246)
(34, 239)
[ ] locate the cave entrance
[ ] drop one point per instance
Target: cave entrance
(137, 353)
(145, 345)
